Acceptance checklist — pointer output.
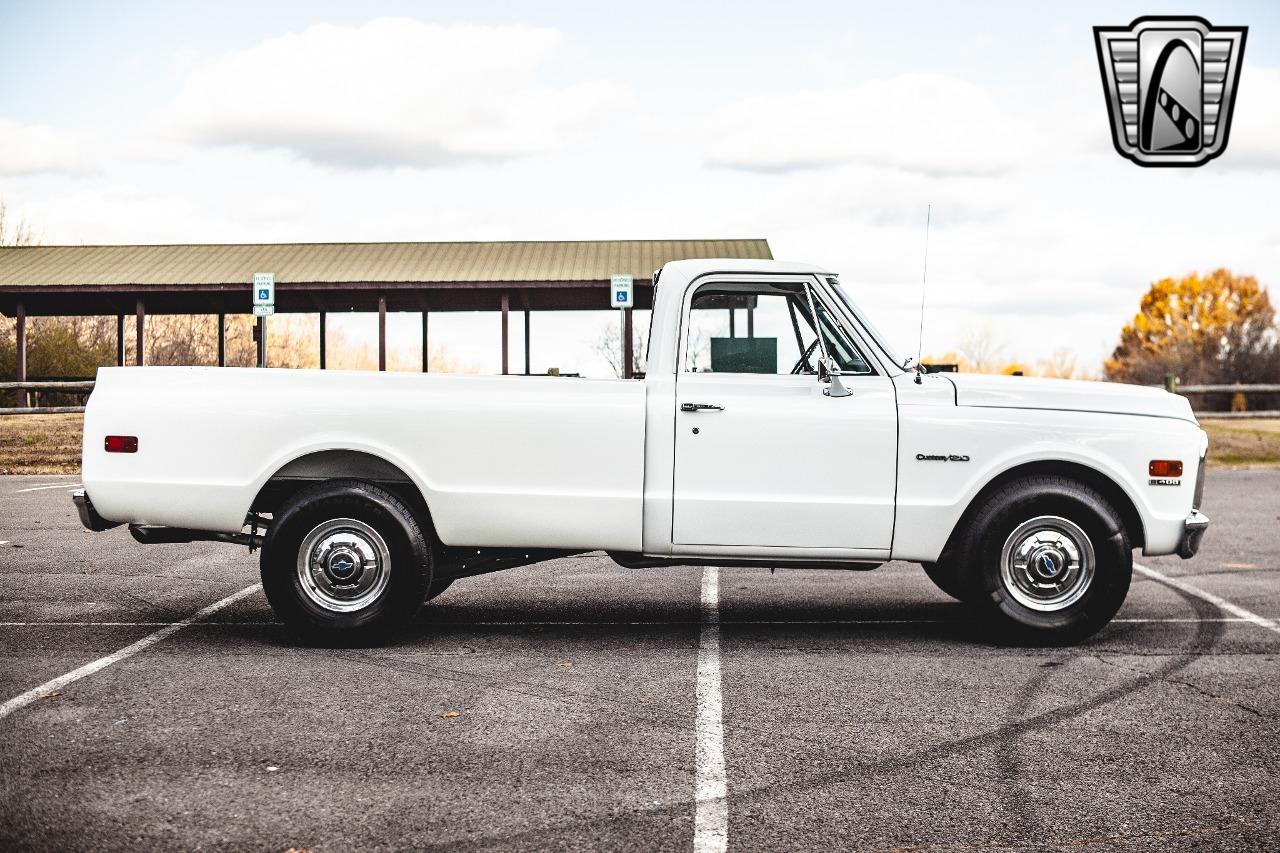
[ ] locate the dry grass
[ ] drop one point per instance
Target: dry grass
(50, 444)
(1244, 443)
(40, 444)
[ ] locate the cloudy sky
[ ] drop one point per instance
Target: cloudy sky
(825, 127)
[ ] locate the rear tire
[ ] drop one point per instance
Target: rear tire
(1046, 560)
(345, 562)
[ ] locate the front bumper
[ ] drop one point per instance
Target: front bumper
(1192, 532)
(88, 515)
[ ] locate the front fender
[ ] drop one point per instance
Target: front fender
(933, 495)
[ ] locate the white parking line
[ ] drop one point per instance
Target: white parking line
(1188, 619)
(146, 642)
(604, 624)
(1220, 603)
(125, 624)
(50, 486)
(711, 810)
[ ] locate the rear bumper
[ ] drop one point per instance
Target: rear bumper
(1192, 533)
(88, 515)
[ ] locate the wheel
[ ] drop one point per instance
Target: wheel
(944, 576)
(439, 586)
(345, 562)
(1045, 560)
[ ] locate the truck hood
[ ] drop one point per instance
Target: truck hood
(1023, 392)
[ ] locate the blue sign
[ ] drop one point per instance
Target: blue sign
(623, 290)
(264, 288)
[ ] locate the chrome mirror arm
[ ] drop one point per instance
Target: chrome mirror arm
(830, 373)
(828, 369)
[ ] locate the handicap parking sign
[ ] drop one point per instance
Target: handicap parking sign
(622, 288)
(264, 288)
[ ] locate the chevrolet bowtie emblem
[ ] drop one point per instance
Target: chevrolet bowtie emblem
(1170, 84)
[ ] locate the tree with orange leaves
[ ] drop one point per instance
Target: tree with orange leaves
(1217, 328)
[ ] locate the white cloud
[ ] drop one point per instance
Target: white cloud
(1038, 226)
(926, 123)
(1254, 142)
(392, 92)
(40, 150)
(1040, 230)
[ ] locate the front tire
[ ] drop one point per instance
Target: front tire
(1046, 560)
(345, 562)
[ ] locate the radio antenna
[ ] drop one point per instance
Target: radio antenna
(924, 280)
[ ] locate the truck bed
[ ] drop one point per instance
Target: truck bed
(537, 462)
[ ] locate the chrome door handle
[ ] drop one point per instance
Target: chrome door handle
(700, 407)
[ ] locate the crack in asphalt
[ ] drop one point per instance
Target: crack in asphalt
(1208, 694)
(1088, 841)
(1016, 792)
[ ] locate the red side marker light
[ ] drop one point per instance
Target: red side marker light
(1165, 468)
(122, 444)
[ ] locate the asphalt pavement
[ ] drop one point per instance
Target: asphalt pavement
(576, 705)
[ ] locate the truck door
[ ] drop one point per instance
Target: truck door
(763, 457)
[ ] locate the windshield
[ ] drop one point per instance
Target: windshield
(866, 323)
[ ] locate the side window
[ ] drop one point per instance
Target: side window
(764, 328)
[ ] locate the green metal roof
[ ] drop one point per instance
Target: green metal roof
(366, 263)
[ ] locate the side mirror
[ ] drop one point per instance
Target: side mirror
(829, 372)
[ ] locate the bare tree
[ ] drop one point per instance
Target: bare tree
(17, 233)
(11, 235)
(983, 351)
(192, 339)
(345, 355)
(440, 360)
(608, 345)
(1062, 363)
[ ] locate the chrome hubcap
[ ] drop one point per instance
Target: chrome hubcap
(1047, 563)
(343, 565)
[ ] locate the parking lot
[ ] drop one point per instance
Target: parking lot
(579, 705)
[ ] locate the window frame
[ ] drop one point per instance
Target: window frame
(865, 330)
(809, 282)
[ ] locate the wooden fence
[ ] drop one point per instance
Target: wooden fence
(74, 387)
(1197, 390)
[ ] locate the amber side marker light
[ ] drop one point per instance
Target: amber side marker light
(1165, 468)
(122, 444)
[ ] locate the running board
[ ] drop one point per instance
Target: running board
(453, 562)
(630, 560)
(154, 534)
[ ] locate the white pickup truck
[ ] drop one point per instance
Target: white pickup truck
(774, 427)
